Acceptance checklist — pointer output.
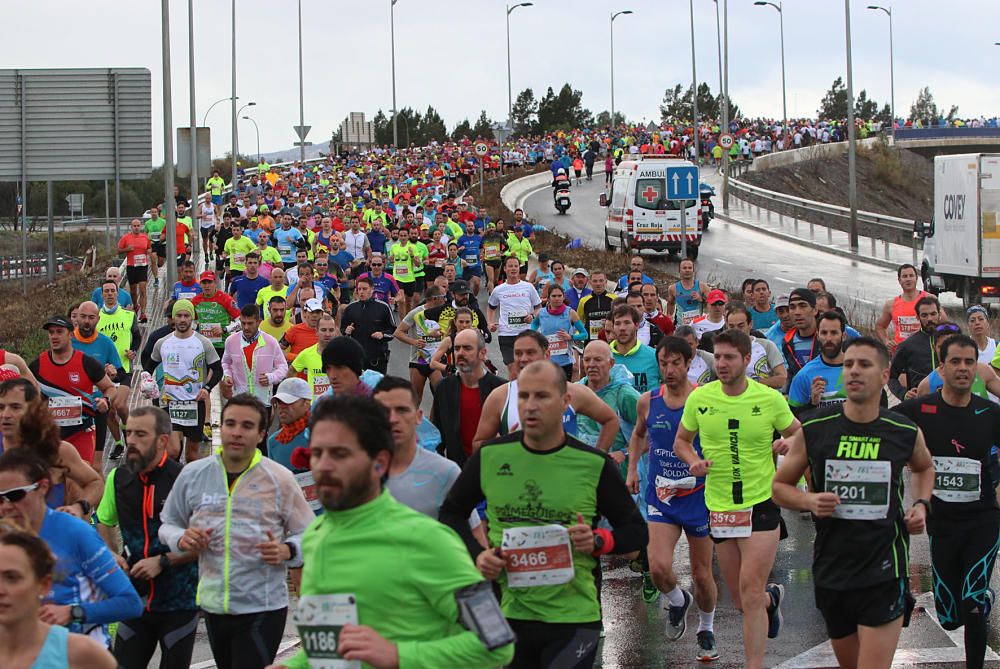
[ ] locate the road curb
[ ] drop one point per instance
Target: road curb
(806, 243)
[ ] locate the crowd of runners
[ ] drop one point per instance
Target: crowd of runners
(611, 415)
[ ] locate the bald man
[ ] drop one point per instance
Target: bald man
(613, 385)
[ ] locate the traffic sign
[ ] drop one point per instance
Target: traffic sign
(482, 149)
(682, 182)
(726, 141)
(302, 131)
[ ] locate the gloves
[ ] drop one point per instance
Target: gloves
(147, 386)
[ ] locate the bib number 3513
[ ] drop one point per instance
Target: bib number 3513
(731, 524)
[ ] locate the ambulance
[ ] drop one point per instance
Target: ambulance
(640, 216)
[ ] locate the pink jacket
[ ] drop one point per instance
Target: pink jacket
(267, 358)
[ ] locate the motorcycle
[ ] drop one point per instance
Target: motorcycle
(707, 208)
(562, 201)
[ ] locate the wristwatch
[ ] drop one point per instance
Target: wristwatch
(84, 506)
(164, 562)
(77, 614)
(926, 503)
(291, 551)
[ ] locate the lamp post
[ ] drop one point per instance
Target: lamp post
(168, 148)
(238, 112)
(718, 39)
(892, 67)
(725, 105)
(694, 92)
(852, 185)
(302, 120)
(392, 51)
(257, 129)
(204, 120)
(233, 97)
(784, 94)
(194, 120)
(510, 98)
(613, 17)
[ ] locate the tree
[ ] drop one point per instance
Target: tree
(673, 103)
(833, 106)
(563, 111)
(603, 119)
(677, 104)
(924, 108)
(432, 127)
(952, 113)
(462, 131)
(524, 113)
(885, 116)
(381, 129)
(484, 127)
(864, 108)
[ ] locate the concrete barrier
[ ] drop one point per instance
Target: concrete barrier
(792, 156)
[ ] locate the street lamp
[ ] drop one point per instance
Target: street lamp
(718, 39)
(784, 98)
(392, 51)
(257, 129)
(892, 70)
(204, 121)
(510, 99)
(302, 114)
(613, 17)
(694, 103)
(238, 112)
(852, 132)
(233, 98)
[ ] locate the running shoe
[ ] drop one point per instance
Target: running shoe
(677, 617)
(207, 431)
(156, 282)
(142, 318)
(117, 451)
(990, 599)
(776, 592)
(649, 590)
(707, 651)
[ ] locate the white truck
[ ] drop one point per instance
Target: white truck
(962, 241)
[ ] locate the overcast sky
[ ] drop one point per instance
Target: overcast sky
(451, 54)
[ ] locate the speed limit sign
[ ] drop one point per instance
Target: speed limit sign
(726, 141)
(482, 149)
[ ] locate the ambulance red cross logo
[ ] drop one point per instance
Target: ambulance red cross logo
(651, 194)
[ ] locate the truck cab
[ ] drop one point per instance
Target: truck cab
(639, 214)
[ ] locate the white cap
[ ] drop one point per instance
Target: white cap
(292, 390)
(314, 304)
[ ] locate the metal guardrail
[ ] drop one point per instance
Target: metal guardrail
(877, 227)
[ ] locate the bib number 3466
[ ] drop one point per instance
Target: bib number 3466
(537, 556)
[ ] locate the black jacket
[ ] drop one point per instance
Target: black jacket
(446, 414)
(916, 357)
(368, 316)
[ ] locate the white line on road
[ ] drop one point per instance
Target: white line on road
(724, 262)
(788, 281)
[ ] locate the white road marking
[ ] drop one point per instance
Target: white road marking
(783, 280)
(724, 262)
(822, 656)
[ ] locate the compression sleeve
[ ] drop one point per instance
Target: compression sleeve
(120, 599)
(463, 497)
(215, 370)
(536, 323)
(580, 332)
(615, 503)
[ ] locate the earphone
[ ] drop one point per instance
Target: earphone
(378, 468)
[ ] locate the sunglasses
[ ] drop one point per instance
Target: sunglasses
(947, 327)
(15, 495)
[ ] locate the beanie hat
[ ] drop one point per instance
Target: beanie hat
(182, 305)
(344, 352)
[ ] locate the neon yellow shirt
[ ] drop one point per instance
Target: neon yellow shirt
(237, 250)
(215, 185)
(310, 361)
(520, 249)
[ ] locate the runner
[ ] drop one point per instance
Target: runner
(405, 260)
(470, 246)
(686, 297)
(186, 287)
(900, 311)
(913, 361)
(68, 379)
(961, 430)
(423, 342)
(977, 318)
(191, 368)
(534, 502)
(766, 363)
(154, 229)
(512, 306)
(214, 310)
(243, 516)
(358, 534)
(855, 453)
(674, 499)
(613, 385)
(235, 251)
(137, 247)
(167, 581)
(121, 326)
(370, 322)
(302, 335)
(247, 286)
(310, 360)
(595, 308)
(291, 402)
(276, 324)
(736, 418)
(637, 357)
(635, 264)
(252, 361)
(762, 311)
(561, 326)
(714, 319)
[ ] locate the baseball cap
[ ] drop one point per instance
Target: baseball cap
(580, 270)
(717, 296)
(803, 294)
(291, 390)
(57, 322)
(459, 286)
(781, 301)
(207, 275)
(314, 304)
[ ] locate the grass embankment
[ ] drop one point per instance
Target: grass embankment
(21, 317)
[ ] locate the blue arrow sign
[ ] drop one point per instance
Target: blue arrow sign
(682, 182)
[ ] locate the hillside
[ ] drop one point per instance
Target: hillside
(894, 182)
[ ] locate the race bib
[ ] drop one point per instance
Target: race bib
(308, 487)
(206, 330)
(239, 259)
(537, 555)
(491, 252)
(439, 262)
(140, 260)
(668, 488)
(907, 325)
(863, 488)
(183, 413)
(557, 345)
(730, 524)
(186, 296)
(472, 258)
(154, 236)
(320, 384)
(595, 328)
(401, 270)
(687, 317)
(285, 250)
(956, 479)
(319, 619)
(67, 410)
(515, 318)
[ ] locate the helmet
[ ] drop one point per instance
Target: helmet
(561, 171)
